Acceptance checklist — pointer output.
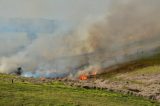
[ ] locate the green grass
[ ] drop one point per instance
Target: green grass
(147, 70)
(57, 94)
(141, 66)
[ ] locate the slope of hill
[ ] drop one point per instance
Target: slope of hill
(20, 91)
(139, 77)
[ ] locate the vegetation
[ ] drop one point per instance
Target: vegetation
(20, 91)
(23, 92)
(136, 67)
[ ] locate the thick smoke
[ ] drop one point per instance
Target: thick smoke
(129, 28)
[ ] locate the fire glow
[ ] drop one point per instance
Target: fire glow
(87, 76)
(83, 77)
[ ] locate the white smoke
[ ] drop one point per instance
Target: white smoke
(129, 26)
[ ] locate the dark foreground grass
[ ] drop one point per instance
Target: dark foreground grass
(57, 94)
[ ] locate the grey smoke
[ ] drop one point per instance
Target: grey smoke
(128, 27)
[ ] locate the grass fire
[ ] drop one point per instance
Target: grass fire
(80, 53)
(83, 77)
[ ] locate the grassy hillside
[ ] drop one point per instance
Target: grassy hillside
(139, 77)
(146, 65)
(32, 92)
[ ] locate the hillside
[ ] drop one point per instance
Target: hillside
(135, 83)
(139, 78)
(36, 92)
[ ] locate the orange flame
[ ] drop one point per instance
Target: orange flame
(83, 77)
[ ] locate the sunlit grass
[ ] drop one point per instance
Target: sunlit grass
(57, 94)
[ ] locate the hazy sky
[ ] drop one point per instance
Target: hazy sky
(63, 10)
(52, 9)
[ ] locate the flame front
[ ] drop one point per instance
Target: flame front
(83, 77)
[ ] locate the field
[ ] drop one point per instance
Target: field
(32, 92)
(140, 66)
(139, 77)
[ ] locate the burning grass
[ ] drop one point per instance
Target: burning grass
(26, 92)
(48, 92)
(83, 77)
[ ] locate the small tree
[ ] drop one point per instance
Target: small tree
(19, 71)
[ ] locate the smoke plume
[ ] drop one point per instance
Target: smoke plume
(128, 27)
